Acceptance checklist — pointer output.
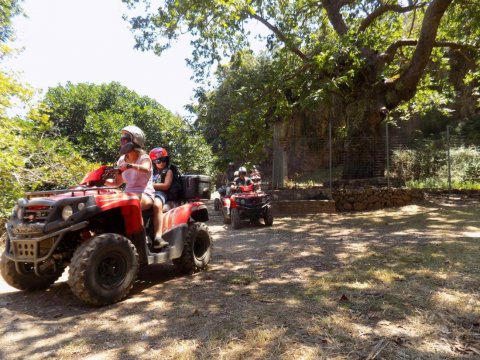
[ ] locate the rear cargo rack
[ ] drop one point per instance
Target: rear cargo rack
(32, 194)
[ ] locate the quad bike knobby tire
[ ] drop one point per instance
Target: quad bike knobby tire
(268, 216)
(197, 249)
(28, 280)
(226, 220)
(103, 269)
(216, 204)
(235, 216)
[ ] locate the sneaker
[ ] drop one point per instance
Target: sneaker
(159, 243)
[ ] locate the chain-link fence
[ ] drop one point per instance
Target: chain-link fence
(391, 159)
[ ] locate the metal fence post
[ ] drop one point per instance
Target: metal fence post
(388, 154)
(330, 151)
(449, 161)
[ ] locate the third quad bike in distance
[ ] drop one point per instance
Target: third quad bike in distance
(245, 203)
(102, 234)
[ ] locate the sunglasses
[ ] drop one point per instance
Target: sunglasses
(159, 160)
(125, 139)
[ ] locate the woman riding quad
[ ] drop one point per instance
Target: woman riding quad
(135, 166)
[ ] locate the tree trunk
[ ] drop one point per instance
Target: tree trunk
(364, 149)
(279, 168)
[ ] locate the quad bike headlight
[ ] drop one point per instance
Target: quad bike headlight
(81, 206)
(67, 211)
(19, 207)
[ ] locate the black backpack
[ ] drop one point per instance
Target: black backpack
(175, 191)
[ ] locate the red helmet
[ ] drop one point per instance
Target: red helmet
(158, 153)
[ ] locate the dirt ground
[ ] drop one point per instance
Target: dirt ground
(399, 283)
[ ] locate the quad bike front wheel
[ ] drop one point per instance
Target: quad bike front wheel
(27, 280)
(197, 249)
(226, 219)
(268, 216)
(235, 215)
(103, 270)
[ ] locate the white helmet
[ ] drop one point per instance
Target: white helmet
(132, 137)
(235, 173)
(138, 137)
(241, 170)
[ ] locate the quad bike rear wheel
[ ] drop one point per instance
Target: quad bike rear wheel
(103, 270)
(268, 216)
(235, 216)
(197, 249)
(27, 280)
(216, 204)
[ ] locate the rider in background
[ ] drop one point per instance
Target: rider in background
(256, 177)
(242, 179)
(228, 178)
(229, 174)
(135, 166)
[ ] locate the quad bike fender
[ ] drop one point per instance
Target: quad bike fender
(176, 239)
(232, 203)
(129, 205)
(196, 211)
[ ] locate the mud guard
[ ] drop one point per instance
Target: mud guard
(200, 213)
(176, 239)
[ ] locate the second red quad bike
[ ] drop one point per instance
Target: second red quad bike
(245, 204)
(102, 234)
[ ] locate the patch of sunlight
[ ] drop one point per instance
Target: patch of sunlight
(262, 339)
(322, 284)
(471, 234)
(283, 281)
(357, 285)
(384, 275)
(413, 209)
(76, 346)
(456, 300)
(240, 267)
(335, 328)
(435, 348)
(432, 274)
(233, 350)
(181, 350)
(302, 352)
(155, 303)
(293, 302)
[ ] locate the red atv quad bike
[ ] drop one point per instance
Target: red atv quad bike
(102, 234)
(244, 203)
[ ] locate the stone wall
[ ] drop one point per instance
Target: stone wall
(314, 193)
(302, 207)
(372, 198)
(319, 200)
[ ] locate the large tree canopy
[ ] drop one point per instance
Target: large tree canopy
(366, 56)
(91, 117)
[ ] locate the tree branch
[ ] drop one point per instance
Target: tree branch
(389, 54)
(405, 86)
(280, 35)
(332, 8)
(382, 10)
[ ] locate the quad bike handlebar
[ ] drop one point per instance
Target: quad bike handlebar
(98, 176)
(242, 188)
